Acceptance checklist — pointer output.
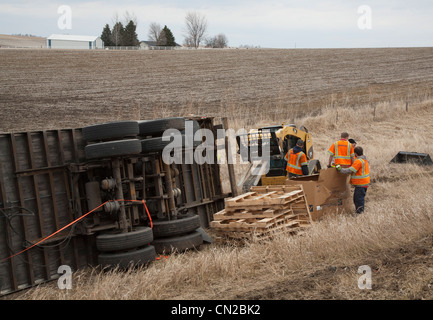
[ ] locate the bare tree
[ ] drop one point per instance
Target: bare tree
(115, 18)
(188, 42)
(196, 26)
(219, 41)
(155, 32)
(127, 17)
(162, 40)
(117, 34)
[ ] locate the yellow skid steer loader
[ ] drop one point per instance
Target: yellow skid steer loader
(278, 140)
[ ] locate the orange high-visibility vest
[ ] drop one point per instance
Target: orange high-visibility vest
(361, 173)
(343, 152)
(295, 161)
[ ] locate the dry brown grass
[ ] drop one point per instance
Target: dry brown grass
(394, 236)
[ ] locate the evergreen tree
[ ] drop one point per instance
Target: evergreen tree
(117, 34)
(106, 36)
(168, 37)
(130, 37)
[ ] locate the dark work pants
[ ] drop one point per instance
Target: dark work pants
(359, 199)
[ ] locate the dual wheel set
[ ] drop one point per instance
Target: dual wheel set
(131, 137)
(140, 245)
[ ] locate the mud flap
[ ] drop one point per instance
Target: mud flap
(206, 238)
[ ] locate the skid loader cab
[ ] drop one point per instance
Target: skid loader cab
(282, 138)
(277, 163)
(289, 135)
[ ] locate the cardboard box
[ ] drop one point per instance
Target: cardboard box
(327, 192)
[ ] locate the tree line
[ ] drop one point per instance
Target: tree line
(124, 33)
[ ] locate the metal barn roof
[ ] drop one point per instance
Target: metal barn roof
(71, 37)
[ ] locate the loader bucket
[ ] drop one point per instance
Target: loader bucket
(412, 157)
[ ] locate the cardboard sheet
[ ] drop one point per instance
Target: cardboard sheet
(327, 192)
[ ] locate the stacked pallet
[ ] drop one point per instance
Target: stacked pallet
(262, 213)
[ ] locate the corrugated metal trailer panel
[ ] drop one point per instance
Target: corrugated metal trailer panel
(44, 177)
(35, 201)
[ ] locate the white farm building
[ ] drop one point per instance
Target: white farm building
(66, 41)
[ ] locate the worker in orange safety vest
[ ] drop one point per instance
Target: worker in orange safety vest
(297, 164)
(360, 178)
(342, 152)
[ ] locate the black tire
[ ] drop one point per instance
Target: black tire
(170, 228)
(178, 243)
(116, 240)
(112, 148)
(156, 144)
(110, 130)
(127, 259)
(158, 126)
(196, 127)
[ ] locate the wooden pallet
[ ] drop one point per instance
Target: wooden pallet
(260, 201)
(262, 213)
(280, 188)
(301, 209)
(248, 213)
(254, 224)
(239, 237)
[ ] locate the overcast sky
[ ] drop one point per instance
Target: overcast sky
(268, 24)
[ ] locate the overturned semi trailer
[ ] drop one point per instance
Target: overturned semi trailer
(99, 175)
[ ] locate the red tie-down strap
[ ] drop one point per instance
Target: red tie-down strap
(77, 220)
